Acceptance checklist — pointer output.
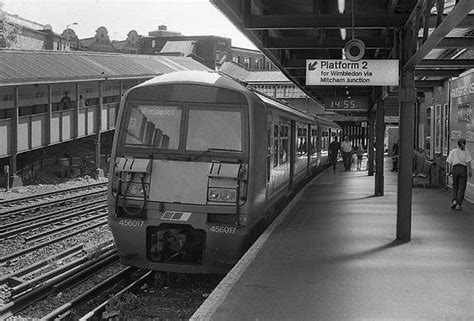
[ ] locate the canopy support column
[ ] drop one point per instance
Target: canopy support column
(370, 147)
(379, 149)
(407, 110)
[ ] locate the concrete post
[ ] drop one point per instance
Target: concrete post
(99, 171)
(76, 113)
(16, 180)
(379, 150)
(370, 148)
(407, 99)
(49, 115)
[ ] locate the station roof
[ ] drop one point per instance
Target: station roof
(185, 48)
(36, 67)
(253, 77)
(289, 32)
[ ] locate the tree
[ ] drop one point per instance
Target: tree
(8, 31)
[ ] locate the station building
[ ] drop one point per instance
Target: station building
(52, 97)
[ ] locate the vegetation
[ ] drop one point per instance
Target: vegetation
(8, 31)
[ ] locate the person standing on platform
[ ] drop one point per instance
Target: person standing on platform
(334, 147)
(360, 155)
(459, 167)
(346, 151)
(65, 102)
(395, 157)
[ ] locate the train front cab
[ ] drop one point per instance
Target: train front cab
(179, 194)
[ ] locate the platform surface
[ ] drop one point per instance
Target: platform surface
(334, 256)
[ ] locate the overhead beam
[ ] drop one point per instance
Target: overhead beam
(337, 43)
(327, 21)
(428, 83)
(438, 72)
(459, 12)
(456, 43)
(467, 22)
(314, 43)
(459, 63)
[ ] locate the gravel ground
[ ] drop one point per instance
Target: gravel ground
(28, 190)
(170, 297)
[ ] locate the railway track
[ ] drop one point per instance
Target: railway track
(107, 308)
(36, 235)
(30, 204)
(54, 264)
(26, 287)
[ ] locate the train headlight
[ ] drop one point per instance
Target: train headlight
(213, 195)
(134, 189)
(221, 195)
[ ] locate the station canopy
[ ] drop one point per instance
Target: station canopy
(434, 38)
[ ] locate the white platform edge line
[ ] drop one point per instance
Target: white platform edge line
(217, 297)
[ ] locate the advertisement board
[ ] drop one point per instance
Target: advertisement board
(461, 122)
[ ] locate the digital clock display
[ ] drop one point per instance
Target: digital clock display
(349, 104)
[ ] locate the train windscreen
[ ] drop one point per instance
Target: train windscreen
(154, 125)
(216, 129)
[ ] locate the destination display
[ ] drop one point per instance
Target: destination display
(339, 72)
(345, 103)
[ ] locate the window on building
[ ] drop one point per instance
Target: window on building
(437, 133)
(32, 110)
(110, 99)
(429, 131)
(247, 62)
(445, 129)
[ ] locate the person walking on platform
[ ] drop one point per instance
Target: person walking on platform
(346, 151)
(459, 166)
(333, 148)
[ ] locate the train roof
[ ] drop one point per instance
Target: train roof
(284, 107)
(214, 78)
(327, 122)
(211, 78)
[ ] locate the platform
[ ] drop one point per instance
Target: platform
(333, 256)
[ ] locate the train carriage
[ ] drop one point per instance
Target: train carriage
(201, 162)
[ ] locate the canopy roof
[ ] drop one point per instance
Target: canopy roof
(36, 67)
(430, 36)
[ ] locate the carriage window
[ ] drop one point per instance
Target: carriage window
(214, 129)
(283, 145)
(152, 125)
(275, 145)
(301, 138)
(325, 140)
(313, 146)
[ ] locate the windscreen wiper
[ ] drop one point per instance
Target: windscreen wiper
(213, 150)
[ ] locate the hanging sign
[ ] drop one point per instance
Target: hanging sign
(340, 72)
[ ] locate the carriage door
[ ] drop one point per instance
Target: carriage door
(270, 144)
(292, 152)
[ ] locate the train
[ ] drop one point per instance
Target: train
(200, 165)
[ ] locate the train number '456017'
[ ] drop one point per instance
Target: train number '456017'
(130, 223)
(223, 229)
